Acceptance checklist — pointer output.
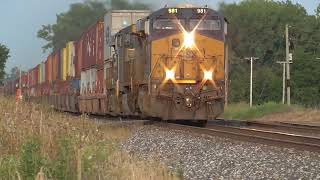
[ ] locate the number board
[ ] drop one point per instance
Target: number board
(201, 10)
(172, 10)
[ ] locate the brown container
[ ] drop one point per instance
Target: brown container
(55, 65)
(34, 76)
(48, 71)
(93, 46)
(100, 79)
(78, 59)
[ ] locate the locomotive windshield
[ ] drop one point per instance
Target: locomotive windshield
(206, 24)
(168, 24)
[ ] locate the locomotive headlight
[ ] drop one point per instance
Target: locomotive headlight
(189, 102)
(207, 75)
(188, 39)
(170, 74)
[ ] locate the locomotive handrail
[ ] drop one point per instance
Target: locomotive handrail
(149, 80)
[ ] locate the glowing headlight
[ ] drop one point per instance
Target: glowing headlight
(207, 75)
(188, 39)
(169, 74)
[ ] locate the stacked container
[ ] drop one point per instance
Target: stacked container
(55, 65)
(48, 66)
(78, 59)
(92, 46)
(91, 58)
(63, 64)
(70, 59)
(42, 72)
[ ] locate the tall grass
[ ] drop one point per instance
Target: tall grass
(242, 111)
(38, 143)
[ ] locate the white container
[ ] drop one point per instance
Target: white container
(83, 83)
(116, 20)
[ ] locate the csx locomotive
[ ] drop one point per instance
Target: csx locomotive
(169, 64)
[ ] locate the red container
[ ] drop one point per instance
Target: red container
(100, 77)
(30, 78)
(48, 65)
(78, 59)
(24, 80)
(93, 46)
(35, 75)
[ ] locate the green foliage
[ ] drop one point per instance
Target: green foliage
(4, 55)
(257, 28)
(8, 167)
(242, 111)
(72, 24)
(95, 157)
(63, 167)
(31, 159)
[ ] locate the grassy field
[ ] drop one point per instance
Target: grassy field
(242, 111)
(38, 143)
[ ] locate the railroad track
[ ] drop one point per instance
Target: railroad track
(243, 131)
(284, 127)
(289, 140)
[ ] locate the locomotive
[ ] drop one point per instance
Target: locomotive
(169, 64)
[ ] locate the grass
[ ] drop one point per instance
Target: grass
(242, 111)
(38, 143)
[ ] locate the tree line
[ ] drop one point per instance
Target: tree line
(257, 28)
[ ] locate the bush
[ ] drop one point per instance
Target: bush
(31, 159)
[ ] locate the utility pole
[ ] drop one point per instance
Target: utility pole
(288, 66)
(283, 80)
(251, 59)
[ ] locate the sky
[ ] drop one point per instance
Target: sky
(21, 19)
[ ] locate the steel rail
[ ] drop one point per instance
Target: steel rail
(300, 142)
(284, 126)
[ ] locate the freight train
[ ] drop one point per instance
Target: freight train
(169, 64)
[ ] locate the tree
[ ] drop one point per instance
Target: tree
(257, 29)
(4, 55)
(72, 24)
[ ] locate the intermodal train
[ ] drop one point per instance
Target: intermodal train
(167, 64)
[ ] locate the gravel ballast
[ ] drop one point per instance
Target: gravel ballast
(209, 157)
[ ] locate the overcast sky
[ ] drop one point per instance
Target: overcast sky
(21, 19)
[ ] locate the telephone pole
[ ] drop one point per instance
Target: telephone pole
(283, 80)
(288, 57)
(251, 59)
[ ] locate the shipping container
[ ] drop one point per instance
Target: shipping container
(63, 64)
(41, 74)
(55, 65)
(70, 59)
(92, 46)
(83, 83)
(116, 20)
(48, 65)
(24, 80)
(35, 76)
(89, 81)
(100, 81)
(78, 59)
